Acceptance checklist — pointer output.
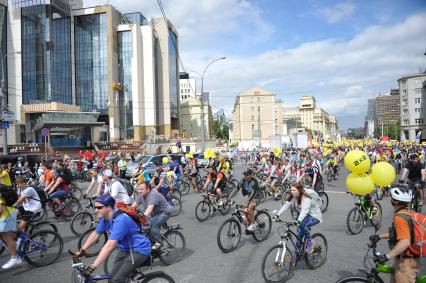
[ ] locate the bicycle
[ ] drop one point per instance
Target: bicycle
(323, 207)
(78, 275)
(204, 207)
(372, 269)
(83, 220)
(72, 206)
(361, 213)
(280, 260)
(232, 228)
(415, 186)
(37, 249)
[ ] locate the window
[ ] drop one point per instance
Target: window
(258, 108)
(405, 122)
(419, 110)
(418, 90)
(418, 81)
(404, 82)
(258, 99)
(419, 121)
(252, 108)
(418, 100)
(252, 118)
(252, 127)
(405, 91)
(405, 112)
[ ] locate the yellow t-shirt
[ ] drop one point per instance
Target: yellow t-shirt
(6, 209)
(5, 179)
(224, 166)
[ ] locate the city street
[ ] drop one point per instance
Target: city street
(204, 262)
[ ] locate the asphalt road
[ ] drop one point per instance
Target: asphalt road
(204, 262)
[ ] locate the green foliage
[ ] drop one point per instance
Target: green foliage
(393, 131)
(220, 131)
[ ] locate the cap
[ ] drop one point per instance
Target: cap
(106, 200)
(107, 173)
(248, 172)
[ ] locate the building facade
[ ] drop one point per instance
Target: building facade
(412, 90)
(188, 86)
(387, 112)
(191, 118)
(370, 118)
(118, 66)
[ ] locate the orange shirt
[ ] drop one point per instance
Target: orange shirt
(47, 176)
(402, 229)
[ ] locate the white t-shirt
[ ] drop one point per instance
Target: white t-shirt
(116, 190)
(97, 180)
(32, 203)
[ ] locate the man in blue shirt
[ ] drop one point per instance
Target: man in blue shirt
(124, 234)
(174, 166)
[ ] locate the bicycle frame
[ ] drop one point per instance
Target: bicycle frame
(24, 238)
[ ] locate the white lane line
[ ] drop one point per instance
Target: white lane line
(335, 192)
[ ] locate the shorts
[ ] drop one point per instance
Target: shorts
(9, 223)
(59, 194)
(25, 214)
(212, 191)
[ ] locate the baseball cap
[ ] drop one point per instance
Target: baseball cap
(106, 200)
(107, 173)
(248, 172)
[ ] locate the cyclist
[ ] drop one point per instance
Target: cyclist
(175, 167)
(28, 203)
(122, 166)
(219, 183)
(250, 187)
(314, 173)
(307, 202)
(193, 173)
(161, 182)
(156, 207)
(113, 187)
(332, 164)
(272, 176)
(57, 189)
(4, 176)
(407, 262)
(97, 182)
(415, 171)
(134, 248)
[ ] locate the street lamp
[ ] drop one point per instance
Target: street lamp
(203, 145)
(4, 97)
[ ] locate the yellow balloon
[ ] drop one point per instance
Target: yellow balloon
(359, 184)
(276, 154)
(165, 160)
(187, 156)
(357, 161)
(383, 174)
(191, 153)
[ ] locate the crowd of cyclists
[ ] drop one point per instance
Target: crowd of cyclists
(296, 177)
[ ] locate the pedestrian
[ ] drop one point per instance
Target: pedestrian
(4, 176)
(122, 167)
(179, 144)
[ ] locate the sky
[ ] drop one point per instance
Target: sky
(341, 52)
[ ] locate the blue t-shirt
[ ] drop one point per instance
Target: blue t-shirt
(124, 230)
(146, 175)
(176, 165)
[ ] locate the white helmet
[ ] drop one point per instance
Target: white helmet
(401, 194)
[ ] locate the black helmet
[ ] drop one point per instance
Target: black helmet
(414, 156)
(248, 172)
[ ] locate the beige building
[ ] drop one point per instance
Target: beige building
(257, 115)
(190, 118)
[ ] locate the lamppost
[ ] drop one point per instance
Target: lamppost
(4, 97)
(203, 145)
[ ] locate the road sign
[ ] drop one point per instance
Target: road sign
(8, 116)
(45, 132)
(5, 124)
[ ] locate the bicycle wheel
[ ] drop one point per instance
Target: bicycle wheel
(184, 188)
(158, 276)
(377, 217)
(202, 210)
(277, 265)
(231, 230)
(279, 189)
(77, 193)
(318, 255)
(324, 203)
(264, 225)
(177, 204)
(44, 248)
(173, 247)
(81, 222)
(42, 215)
(96, 248)
(72, 206)
(329, 177)
(226, 205)
(355, 279)
(177, 194)
(379, 193)
(44, 225)
(321, 187)
(355, 221)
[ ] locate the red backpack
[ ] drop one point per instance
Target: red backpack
(140, 219)
(417, 224)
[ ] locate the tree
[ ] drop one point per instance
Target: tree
(220, 131)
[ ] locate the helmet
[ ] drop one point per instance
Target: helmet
(414, 156)
(108, 173)
(248, 172)
(401, 193)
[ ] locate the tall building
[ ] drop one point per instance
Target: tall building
(117, 72)
(220, 116)
(191, 117)
(412, 90)
(387, 112)
(370, 118)
(188, 87)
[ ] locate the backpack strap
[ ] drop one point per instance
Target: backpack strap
(409, 219)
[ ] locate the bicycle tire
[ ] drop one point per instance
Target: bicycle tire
(379, 193)
(287, 276)
(262, 219)
(236, 226)
(374, 221)
(279, 190)
(316, 249)
(72, 207)
(77, 192)
(44, 225)
(226, 205)
(325, 201)
(329, 177)
(184, 187)
(29, 247)
(157, 275)
(360, 216)
(203, 205)
(41, 216)
(354, 279)
(166, 244)
(177, 204)
(81, 217)
(92, 251)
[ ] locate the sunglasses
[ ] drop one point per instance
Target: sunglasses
(99, 207)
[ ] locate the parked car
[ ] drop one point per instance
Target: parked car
(201, 162)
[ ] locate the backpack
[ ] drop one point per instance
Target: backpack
(42, 195)
(127, 185)
(417, 224)
(140, 219)
(9, 195)
(314, 195)
(66, 174)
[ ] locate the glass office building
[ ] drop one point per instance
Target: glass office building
(173, 75)
(46, 55)
(124, 41)
(91, 62)
(3, 37)
(135, 18)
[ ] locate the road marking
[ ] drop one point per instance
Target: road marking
(335, 192)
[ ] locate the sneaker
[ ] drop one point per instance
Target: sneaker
(220, 202)
(308, 247)
(13, 261)
(156, 246)
(252, 227)
(213, 210)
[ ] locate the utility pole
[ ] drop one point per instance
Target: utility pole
(382, 128)
(258, 124)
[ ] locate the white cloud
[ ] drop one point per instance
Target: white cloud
(338, 12)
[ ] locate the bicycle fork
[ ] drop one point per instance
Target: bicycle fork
(280, 256)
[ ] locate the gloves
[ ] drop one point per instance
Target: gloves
(382, 259)
(79, 254)
(374, 238)
(276, 218)
(296, 223)
(88, 270)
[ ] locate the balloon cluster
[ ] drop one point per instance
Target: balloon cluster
(208, 153)
(189, 155)
(165, 160)
(359, 181)
(277, 151)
